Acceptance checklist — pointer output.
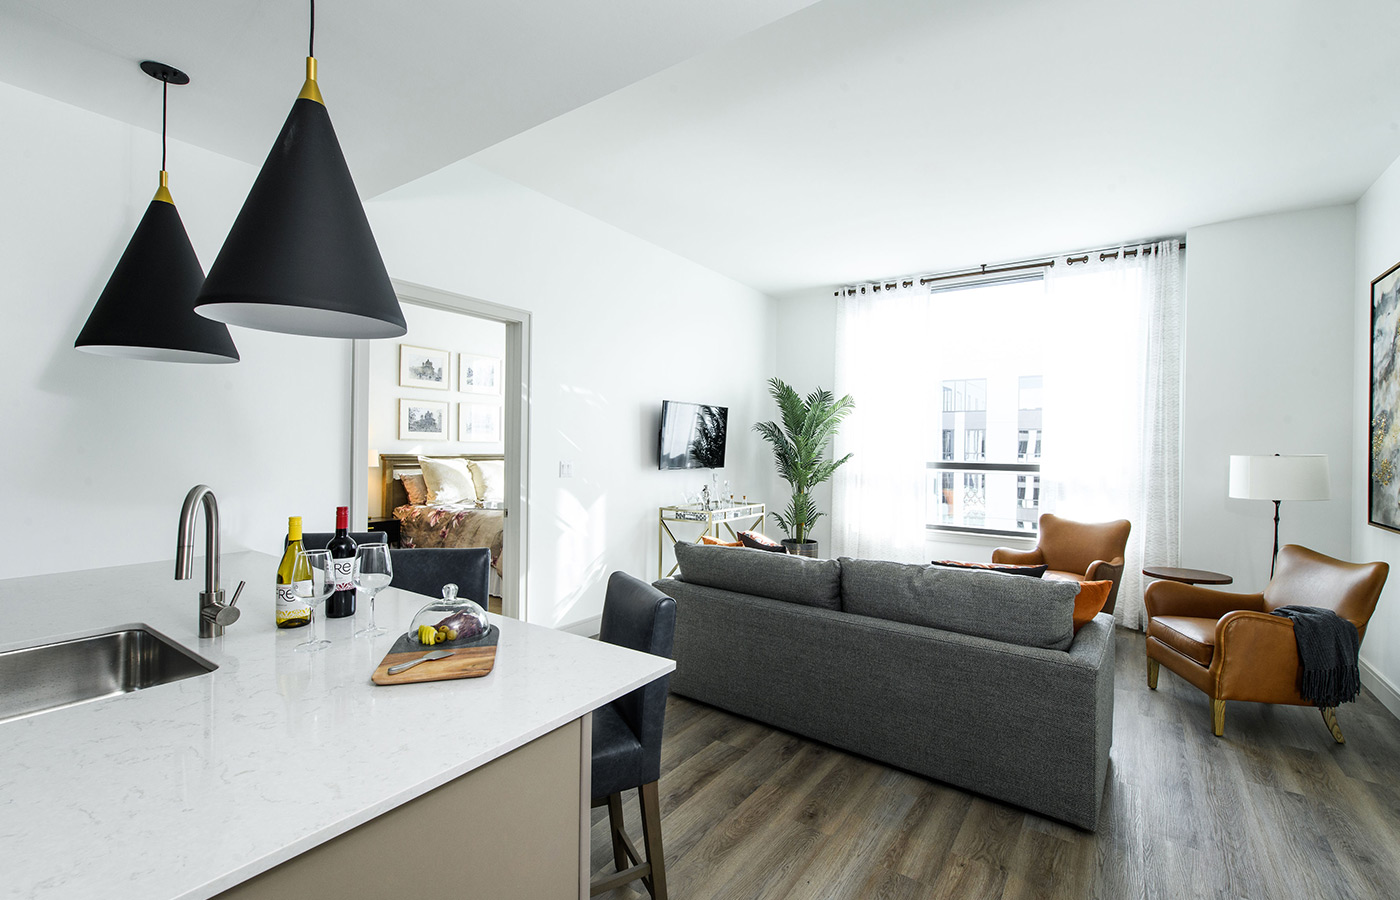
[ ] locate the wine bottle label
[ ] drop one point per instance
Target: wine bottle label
(344, 570)
(289, 605)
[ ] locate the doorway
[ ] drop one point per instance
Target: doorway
(514, 424)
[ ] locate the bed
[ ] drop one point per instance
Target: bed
(472, 521)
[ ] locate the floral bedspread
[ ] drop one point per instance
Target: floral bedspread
(452, 527)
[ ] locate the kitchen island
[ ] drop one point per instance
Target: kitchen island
(283, 769)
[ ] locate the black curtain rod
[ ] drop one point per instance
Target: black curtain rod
(1105, 253)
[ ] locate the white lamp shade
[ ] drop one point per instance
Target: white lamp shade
(1297, 477)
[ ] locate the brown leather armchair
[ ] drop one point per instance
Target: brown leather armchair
(1229, 645)
(1076, 551)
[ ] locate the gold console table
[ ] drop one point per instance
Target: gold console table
(721, 514)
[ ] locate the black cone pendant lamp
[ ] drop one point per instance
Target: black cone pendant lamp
(300, 258)
(146, 311)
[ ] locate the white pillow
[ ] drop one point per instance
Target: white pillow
(489, 476)
(448, 481)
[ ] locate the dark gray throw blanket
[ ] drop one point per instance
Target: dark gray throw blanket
(1327, 654)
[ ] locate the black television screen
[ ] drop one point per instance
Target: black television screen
(692, 435)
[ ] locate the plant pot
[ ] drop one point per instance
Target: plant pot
(801, 548)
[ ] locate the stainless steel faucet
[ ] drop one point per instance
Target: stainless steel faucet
(214, 614)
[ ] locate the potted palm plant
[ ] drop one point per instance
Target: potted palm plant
(800, 447)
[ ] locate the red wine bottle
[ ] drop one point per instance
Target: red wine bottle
(342, 547)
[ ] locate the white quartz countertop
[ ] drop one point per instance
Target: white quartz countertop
(185, 789)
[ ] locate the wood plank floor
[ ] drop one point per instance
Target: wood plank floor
(1273, 810)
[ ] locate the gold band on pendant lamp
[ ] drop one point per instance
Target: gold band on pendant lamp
(300, 258)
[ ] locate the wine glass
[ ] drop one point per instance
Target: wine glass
(314, 580)
(374, 569)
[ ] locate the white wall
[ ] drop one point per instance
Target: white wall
(438, 330)
(99, 452)
(805, 333)
(1267, 355)
(1377, 249)
(618, 326)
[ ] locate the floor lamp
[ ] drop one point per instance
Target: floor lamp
(1279, 478)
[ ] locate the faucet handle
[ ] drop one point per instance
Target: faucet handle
(220, 613)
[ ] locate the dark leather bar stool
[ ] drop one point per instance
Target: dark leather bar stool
(317, 540)
(627, 733)
(425, 570)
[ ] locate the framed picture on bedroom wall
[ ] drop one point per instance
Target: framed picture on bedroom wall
(1383, 495)
(423, 368)
(478, 423)
(422, 420)
(478, 374)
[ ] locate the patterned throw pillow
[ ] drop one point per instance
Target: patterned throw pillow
(716, 542)
(760, 542)
(416, 489)
(1008, 568)
(1089, 601)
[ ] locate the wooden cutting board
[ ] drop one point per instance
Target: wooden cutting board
(470, 659)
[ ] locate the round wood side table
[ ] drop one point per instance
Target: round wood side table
(1186, 576)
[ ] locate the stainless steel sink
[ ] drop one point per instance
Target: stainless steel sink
(65, 673)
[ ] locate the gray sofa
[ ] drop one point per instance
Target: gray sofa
(973, 678)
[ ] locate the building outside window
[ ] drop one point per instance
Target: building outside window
(984, 473)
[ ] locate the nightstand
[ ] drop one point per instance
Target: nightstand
(389, 526)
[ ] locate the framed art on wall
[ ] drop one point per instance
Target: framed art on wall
(422, 367)
(478, 374)
(478, 423)
(1383, 493)
(422, 420)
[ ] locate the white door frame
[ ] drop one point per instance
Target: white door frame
(516, 433)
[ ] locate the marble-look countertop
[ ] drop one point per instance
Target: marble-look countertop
(186, 789)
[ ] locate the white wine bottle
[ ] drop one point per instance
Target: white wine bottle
(293, 611)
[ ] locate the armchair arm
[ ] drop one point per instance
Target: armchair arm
(1100, 570)
(1172, 598)
(1011, 557)
(1256, 658)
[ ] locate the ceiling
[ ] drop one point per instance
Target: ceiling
(411, 86)
(785, 143)
(865, 139)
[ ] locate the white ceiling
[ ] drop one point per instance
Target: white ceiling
(863, 139)
(411, 86)
(784, 143)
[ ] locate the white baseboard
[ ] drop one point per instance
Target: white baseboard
(1382, 687)
(587, 628)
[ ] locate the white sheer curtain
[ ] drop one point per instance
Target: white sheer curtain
(878, 498)
(1113, 404)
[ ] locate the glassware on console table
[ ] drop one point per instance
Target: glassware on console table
(374, 570)
(315, 581)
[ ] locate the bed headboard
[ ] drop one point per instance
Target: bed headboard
(395, 465)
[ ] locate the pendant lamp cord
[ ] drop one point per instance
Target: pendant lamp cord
(164, 103)
(311, 40)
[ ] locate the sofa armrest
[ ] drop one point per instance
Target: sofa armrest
(1172, 598)
(1007, 556)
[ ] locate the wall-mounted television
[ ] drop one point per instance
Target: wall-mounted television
(692, 435)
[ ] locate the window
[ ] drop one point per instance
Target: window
(991, 483)
(975, 444)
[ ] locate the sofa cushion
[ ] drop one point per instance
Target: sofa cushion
(716, 542)
(1029, 612)
(1008, 568)
(795, 579)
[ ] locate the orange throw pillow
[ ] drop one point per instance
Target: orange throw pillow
(1089, 601)
(706, 539)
